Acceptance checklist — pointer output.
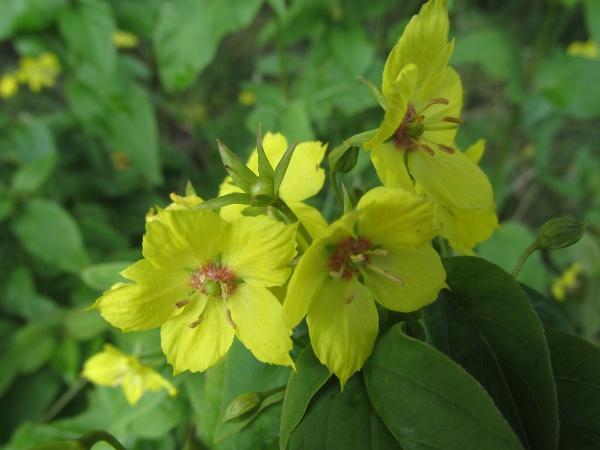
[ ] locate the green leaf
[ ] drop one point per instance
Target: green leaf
(102, 276)
(27, 15)
(428, 401)
(21, 298)
(547, 310)
(489, 299)
(88, 27)
(342, 420)
(31, 176)
(576, 365)
(32, 140)
(85, 325)
(51, 234)
(188, 34)
(303, 384)
(352, 49)
(7, 205)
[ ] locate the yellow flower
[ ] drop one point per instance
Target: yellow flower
(8, 85)
(123, 39)
(567, 282)
(112, 368)
(587, 49)
(423, 100)
(38, 72)
(303, 179)
(378, 252)
(204, 280)
(247, 98)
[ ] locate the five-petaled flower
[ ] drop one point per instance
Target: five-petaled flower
(204, 280)
(112, 367)
(423, 104)
(378, 252)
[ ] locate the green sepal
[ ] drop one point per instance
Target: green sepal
(241, 175)
(282, 167)
(189, 189)
(235, 198)
(263, 200)
(376, 92)
(264, 166)
(348, 207)
(343, 158)
(360, 138)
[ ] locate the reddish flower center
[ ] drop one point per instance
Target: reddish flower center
(214, 280)
(348, 255)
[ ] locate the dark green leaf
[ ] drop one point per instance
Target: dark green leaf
(547, 310)
(576, 365)
(428, 401)
(505, 319)
(48, 232)
(310, 375)
(31, 176)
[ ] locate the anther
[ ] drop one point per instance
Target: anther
(181, 303)
(438, 101)
(350, 298)
(453, 120)
(195, 323)
(334, 274)
(229, 319)
(357, 258)
(427, 149)
(380, 252)
(446, 149)
(388, 275)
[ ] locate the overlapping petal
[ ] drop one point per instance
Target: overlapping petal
(389, 164)
(304, 177)
(465, 228)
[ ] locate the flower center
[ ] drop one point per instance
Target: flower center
(410, 134)
(348, 256)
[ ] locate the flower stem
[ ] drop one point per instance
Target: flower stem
(336, 189)
(528, 251)
(91, 438)
(63, 400)
(285, 209)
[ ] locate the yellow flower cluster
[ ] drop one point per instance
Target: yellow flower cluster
(37, 73)
(207, 278)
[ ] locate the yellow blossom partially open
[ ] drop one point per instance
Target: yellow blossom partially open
(111, 367)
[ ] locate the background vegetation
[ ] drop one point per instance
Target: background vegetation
(92, 139)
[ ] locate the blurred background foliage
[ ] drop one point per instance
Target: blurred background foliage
(108, 106)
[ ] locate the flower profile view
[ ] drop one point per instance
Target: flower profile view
(112, 367)
(422, 102)
(303, 179)
(204, 281)
(379, 253)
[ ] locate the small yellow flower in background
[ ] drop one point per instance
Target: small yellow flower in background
(567, 282)
(38, 72)
(380, 252)
(123, 39)
(205, 280)
(111, 367)
(247, 98)
(8, 86)
(587, 49)
(303, 179)
(424, 100)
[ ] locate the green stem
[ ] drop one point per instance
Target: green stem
(281, 55)
(528, 251)
(336, 189)
(267, 394)
(63, 400)
(285, 209)
(93, 437)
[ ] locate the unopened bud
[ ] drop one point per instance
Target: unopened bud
(560, 232)
(243, 408)
(262, 186)
(343, 158)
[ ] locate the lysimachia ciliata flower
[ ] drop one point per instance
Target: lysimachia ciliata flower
(111, 367)
(303, 179)
(424, 100)
(203, 281)
(380, 253)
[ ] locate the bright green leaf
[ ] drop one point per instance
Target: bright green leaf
(31, 176)
(102, 276)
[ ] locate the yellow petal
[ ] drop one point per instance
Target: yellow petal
(389, 164)
(105, 368)
(310, 217)
(196, 349)
(147, 304)
(397, 219)
(452, 180)
(304, 178)
(421, 272)
(182, 238)
(343, 324)
(258, 250)
(257, 315)
(423, 43)
(475, 151)
(398, 97)
(133, 387)
(465, 228)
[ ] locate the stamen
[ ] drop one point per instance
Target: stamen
(334, 274)
(446, 149)
(388, 275)
(357, 258)
(181, 303)
(228, 317)
(438, 100)
(350, 297)
(224, 290)
(453, 120)
(449, 127)
(380, 252)
(196, 323)
(427, 149)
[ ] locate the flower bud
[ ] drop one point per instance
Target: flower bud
(243, 408)
(343, 158)
(560, 232)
